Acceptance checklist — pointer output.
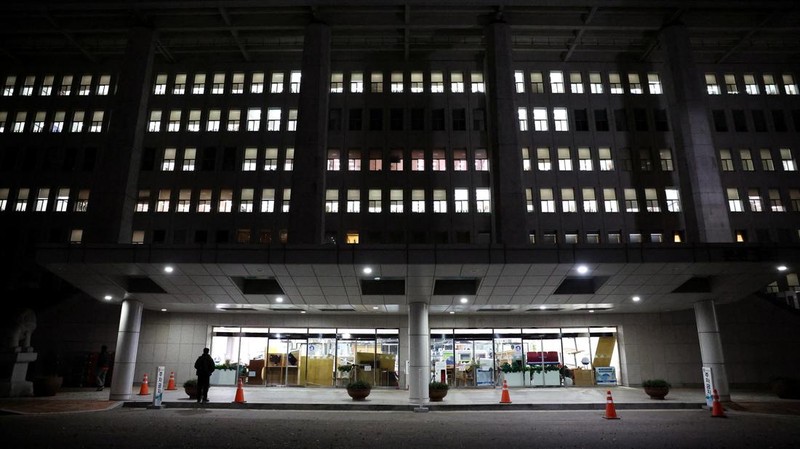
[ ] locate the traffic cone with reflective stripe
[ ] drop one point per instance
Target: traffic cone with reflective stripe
(145, 388)
(716, 407)
(171, 383)
(239, 398)
(611, 411)
(505, 398)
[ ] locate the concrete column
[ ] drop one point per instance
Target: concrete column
(306, 213)
(419, 348)
(130, 324)
(508, 198)
(711, 346)
(111, 208)
(705, 209)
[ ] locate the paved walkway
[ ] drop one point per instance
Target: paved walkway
(288, 398)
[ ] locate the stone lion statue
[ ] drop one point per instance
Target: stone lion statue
(16, 330)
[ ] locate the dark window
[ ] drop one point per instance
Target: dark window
(796, 119)
(68, 164)
(779, 120)
(335, 119)
(89, 158)
(660, 118)
(459, 120)
(601, 120)
(201, 236)
(418, 119)
(440, 237)
(417, 237)
(437, 120)
(759, 121)
(148, 159)
(376, 119)
(625, 158)
(621, 119)
(229, 159)
(762, 235)
(720, 123)
(396, 119)
(29, 159)
(479, 120)
(581, 120)
(355, 119)
(209, 159)
(739, 122)
(222, 235)
(463, 237)
(159, 235)
(179, 236)
(50, 159)
(640, 119)
(57, 235)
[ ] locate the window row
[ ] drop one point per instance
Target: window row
(417, 119)
(765, 157)
(614, 237)
(757, 120)
(176, 121)
(219, 83)
(589, 159)
(192, 159)
(752, 84)
(559, 82)
(557, 119)
(399, 159)
(55, 122)
(44, 199)
(47, 85)
(591, 200)
(436, 81)
(757, 202)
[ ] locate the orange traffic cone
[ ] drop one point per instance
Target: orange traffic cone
(171, 383)
(145, 388)
(239, 398)
(611, 411)
(716, 407)
(505, 398)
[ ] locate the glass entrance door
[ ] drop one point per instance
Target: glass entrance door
(286, 352)
(543, 355)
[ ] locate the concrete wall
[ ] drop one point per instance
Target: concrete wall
(759, 339)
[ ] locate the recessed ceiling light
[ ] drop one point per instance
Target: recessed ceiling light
(583, 269)
(542, 307)
(163, 310)
(168, 269)
(279, 299)
(452, 313)
(377, 278)
(220, 306)
(367, 270)
(636, 299)
(107, 297)
(464, 300)
(783, 268)
(591, 311)
(374, 307)
(302, 311)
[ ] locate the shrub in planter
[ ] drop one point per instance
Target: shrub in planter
(359, 390)
(437, 391)
(190, 387)
(656, 388)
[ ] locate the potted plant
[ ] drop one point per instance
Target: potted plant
(359, 390)
(437, 391)
(190, 387)
(656, 388)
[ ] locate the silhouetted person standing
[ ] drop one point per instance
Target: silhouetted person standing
(204, 366)
(103, 364)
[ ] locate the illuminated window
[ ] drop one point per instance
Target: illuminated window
(376, 82)
(77, 122)
(529, 200)
(267, 200)
(522, 117)
(375, 160)
(199, 85)
(75, 236)
(168, 163)
(47, 85)
(374, 200)
(214, 116)
(154, 124)
(288, 163)
(356, 82)
(180, 84)
(417, 160)
(439, 201)
(481, 160)
(62, 200)
(276, 83)
(42, 198)
(174, 123)
(234, 118)
(794, 197)
(163, 200)
(331, 201)
(543, 159)
(22, 200)
(82, 203)
(250, 159)
(253, 119)
(189, 155)
(673, 199)
(8, 87)
(438, 160)
(397, 82)
(417, 84)
(85, 88)
(526, 159)
(754, 198)
(547, 203)
(184, 201)
(770, 87)
(734, 203)
(564, 159)
(651, 200)
(273, 119)
(27, 86)
(604, 155)
(396, 160)
(19, 122)
(665, 155)
(575, 83)
(104, 85)
(225, 200)
(237, 83)
(353, 201)
(537, 83)
(750, 86)
(560, 119)
(775, 202)
(271, 159)
(418, 201)
(556, 82)
(38, 122)
(540, 119)
(711, 84)
(66, 86)
(257, 84)
(193, 125)
(396, 201)
(610, 203)
(352, 238)
(456, 82)
(584, 159)
(595, 83)
(294, 81)
(483, 201)
(787, 161)
(461, 200)
(789, 86)
(747, 160)
(725, 160)
(568, 204)
(204, 202)
(459, 160)
(615, 84)
(730, 84)
(437, 82)
(334, 160)
(631, 202)
(654, 84)
(476, 82)
(143, 201)
(635, 84)
(337, 82)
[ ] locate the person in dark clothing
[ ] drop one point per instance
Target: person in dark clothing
(103, 363)
(204, 366)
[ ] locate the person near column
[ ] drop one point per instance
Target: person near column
(204, 366)
(103, 363)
